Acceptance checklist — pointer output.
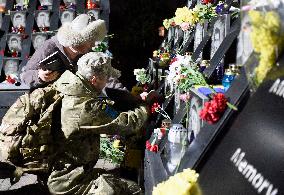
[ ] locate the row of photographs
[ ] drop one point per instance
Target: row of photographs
(42, 17)
(42, 2)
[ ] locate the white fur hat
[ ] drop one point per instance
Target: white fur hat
(81, 30)
(98, 62)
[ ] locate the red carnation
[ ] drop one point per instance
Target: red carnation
(214, 109)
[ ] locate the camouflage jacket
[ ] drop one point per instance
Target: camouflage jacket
(81, 106)
(25, 131)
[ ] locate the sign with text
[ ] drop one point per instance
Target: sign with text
(248, 159)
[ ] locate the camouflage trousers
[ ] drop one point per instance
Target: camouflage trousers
(77, 180)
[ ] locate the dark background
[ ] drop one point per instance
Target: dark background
(135, 24)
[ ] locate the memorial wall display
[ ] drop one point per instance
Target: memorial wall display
(244, 55)
(26, 26)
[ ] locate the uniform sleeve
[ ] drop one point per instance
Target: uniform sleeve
(29, 73)
(125, 123)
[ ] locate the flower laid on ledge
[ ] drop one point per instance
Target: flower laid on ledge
(180, 183)
(141, 76)
(214, 109)
(152, 147)
(184, 74)
(157, 108)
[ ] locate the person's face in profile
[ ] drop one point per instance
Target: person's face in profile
(11, 67)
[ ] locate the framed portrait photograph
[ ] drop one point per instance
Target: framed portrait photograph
(18, 18)
(10, 66)
(198, 36)
(196, 103)
(42, 18)
(67, 16)
(221, 26)
(171, 32)
(186, 36)
(94, 13)
(244, 47)
(14, 42)
(38, 39)
(177, 35)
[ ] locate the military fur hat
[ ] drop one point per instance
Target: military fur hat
(81, 29)
(96, 63)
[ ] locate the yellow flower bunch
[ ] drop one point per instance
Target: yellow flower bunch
(167, 23)
(266, 40)
(179, 184)
(185, 15)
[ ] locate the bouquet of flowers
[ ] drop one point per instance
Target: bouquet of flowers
(141, 76)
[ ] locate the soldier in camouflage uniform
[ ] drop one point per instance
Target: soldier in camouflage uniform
(72, 151)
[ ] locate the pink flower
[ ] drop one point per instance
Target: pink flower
(184, 26)
(184, 97)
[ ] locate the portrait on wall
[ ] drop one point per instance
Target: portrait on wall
(178, 34)
(244, 48)
(94, 13)
(43, 19)
(190, 3)
(68, 2)
(186, 36)
(14, 42)
(18, 18)
(221, 26)
(10, 66)
(38, 40)
(198, 36)
(67, 16)
(171, 32)
(196, 103)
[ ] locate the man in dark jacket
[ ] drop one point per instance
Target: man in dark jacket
(73, 40)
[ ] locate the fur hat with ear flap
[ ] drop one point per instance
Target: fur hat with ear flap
(82, 29)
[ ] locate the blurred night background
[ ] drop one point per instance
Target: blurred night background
(135, 24)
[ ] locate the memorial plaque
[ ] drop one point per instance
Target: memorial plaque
(38, 39)
(14, 42)
(221, 27)
(42, 19)
(196, 103)
(248, 159)
(67, 16)
(10, 66)
(244, 48)
(18, 18)
(171, 32)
